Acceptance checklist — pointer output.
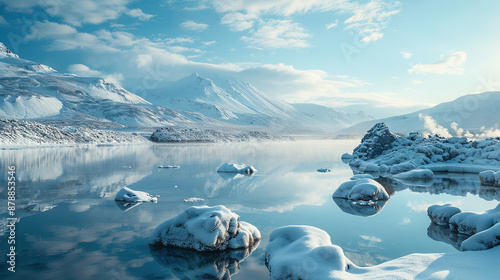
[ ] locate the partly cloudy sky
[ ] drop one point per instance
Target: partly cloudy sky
(395, 56)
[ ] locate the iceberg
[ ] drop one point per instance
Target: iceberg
(205, 228)
(130, 195)
(236, 168)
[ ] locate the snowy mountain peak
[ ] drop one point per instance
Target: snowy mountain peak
(6, 52)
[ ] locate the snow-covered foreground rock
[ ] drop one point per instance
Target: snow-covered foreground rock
(130, 195)
(490, 178)
(193, 265)
(236, 168)
(205, 228)
(15, 133)
(304, 252)
(362, 189)
(483, 228)
(384, 152)
(175, 134)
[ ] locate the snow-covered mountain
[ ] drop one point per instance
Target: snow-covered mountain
(330, 116)
(29, 90)
(476, 113)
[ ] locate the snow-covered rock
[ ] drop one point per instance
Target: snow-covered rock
(303, 252)
(490, 178)
(205, 228)
(416, 174)
(169, 166)
(362, 189)
(323, 170)
(362, 176)
(130, 195)
(236, 168)
(484, 227)
(176, 134)
(441, 214)
(385, 152)
(193, 265)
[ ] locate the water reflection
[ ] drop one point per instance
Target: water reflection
(126, 205)
(191, 264)
(360, 209)
(444, 234)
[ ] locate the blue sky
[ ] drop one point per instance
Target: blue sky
(385, 57)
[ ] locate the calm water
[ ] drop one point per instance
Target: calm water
(71, 228)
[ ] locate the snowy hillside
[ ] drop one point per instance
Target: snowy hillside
(476, 113)
(330, 116)
(29, 90)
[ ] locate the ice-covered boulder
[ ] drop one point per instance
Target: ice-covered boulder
(236, 168)
(377, 140)
(416, 174)
(441, 214)
(362, 176)
(490, 178)
(303, 252)
(205, 228)
(363, 189)
(130, 195)
(484, 227)
(471, 222)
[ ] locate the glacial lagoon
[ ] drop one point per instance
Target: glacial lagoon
(70, 227)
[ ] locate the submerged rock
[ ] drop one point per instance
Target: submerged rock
(205, 228)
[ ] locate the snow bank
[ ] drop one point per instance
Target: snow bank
(194, 265)
(490, 178)
(417, 174)
(362, 189)
(130, 195)
(174, 134)
(441, 214)
(236, 168)
(385, 152)
(484, 227)
(205, 228)
(303, 252)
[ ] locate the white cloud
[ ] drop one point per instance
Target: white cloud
(371, 238)
(3, 21)
(47, 29)
(239, 21)
(83, 71)
(332, 25)
(372, 37)
(209, 43)
(451, 65)
(433, 127)
(406, 54)
(405, 221)
(178, 40)
(278, 34)
(138, 13)
(191, 25)
(416, 82)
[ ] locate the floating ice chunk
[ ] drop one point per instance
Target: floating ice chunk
(126, 205)
(362, 176)
(323, 170)
(169, 166)
(363, 189)
(416, 174)
(441, 214)
(236, 168)
(490, 178)
(292, 250)
(205, 228)
(193, 199)
(129, 195)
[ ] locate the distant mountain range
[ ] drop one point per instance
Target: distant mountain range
(33, 91)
